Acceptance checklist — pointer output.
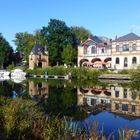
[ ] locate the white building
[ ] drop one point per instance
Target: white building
(95, 52)
(126, 52)
(122, 53)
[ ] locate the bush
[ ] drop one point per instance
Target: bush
(11, 67)
(23, 119)
(76, 73)
(125, 71)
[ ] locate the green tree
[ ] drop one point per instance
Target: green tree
(24, 42)
(81, 33)
(39, 39)
(57, 35)
(10, 57)
(68, 55)
(5, 51)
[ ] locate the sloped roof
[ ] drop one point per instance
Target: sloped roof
(97, 39)
(88, 42)
(38, 49)
(128, 37)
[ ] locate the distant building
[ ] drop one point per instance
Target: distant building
(95, 52)
(126, 51)
(38, 57)
(121, 53)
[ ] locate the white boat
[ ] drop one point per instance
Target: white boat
(3, 78)
(18, 73)
(18, 79)
(4, 73)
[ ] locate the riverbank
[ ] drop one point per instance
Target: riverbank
(26, 120)
(115, 76)
(74, 73)
(85, 73)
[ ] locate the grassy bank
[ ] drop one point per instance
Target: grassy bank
(23, 119)
(76, 73)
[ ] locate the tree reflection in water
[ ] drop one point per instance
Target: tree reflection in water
(81, 100)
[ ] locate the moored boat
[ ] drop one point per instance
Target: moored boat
(18, 73)
(4, 73)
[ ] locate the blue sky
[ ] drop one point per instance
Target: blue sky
(102, 17)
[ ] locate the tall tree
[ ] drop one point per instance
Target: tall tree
(5, 50)
(39, 39)
(81, 33)
(24, 42)
(57, 35)
(10, 57)
(68, 55)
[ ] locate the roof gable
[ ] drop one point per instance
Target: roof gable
(88, 42)
(97, 39)
(128, 37)
(37, 49)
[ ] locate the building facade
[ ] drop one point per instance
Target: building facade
(126, 52)
(38, 57)
(95, 52)
(121, 53)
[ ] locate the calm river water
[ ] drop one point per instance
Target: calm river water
(113, 105)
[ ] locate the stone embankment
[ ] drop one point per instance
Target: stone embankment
(115, 76)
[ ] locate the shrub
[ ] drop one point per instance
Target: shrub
(76, 73)
(11, 67)
(23, 119)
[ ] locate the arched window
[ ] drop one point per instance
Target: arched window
(134, 60)
(93, 49)
(117, 60)
(125, 62)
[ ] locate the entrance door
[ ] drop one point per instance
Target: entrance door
(40, 64)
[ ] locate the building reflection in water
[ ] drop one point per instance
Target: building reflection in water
(117, 99)
(122, 101)
(38, 90)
